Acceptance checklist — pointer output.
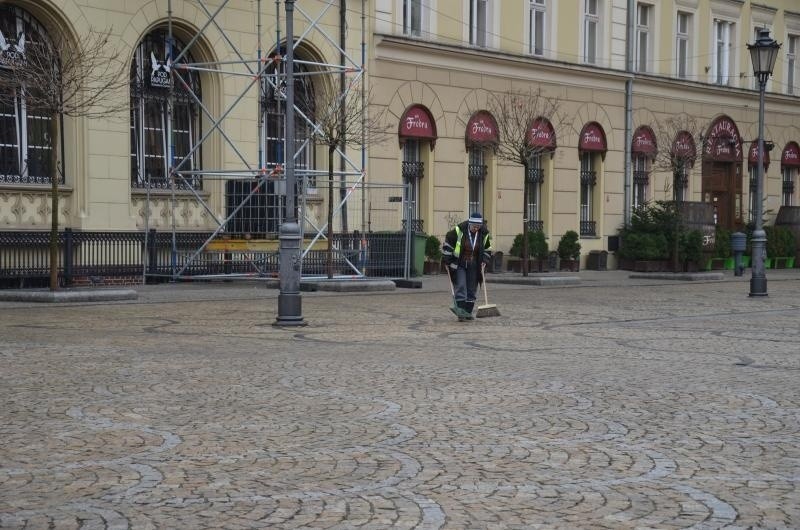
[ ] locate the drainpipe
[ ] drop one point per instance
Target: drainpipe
(629, 51)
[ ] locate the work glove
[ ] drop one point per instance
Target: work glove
(453, 266)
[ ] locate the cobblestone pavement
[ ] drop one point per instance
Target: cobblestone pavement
(607, 405)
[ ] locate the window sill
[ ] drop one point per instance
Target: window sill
(11, 186)
(142, 192)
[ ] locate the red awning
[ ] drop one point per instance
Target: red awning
(684, 148)
(592, 138)
(482, 129)
(417, 122)
(723, 141)
(542, 135)
(752, 155)
(644, 142)
(791, 155)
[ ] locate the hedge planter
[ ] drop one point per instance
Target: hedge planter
(651, 266)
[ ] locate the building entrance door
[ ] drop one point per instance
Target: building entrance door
(722, 187)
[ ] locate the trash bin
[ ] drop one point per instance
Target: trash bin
(418, 253)
(552, 261)
(597, 260)
(738, 246)
(496, 263)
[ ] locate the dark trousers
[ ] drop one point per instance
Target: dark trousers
(466, 282)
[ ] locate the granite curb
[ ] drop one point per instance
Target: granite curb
(77, 295)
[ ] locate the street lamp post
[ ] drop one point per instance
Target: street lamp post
(763, 54)
(290, 311)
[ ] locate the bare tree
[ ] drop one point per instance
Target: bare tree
(519, 114)
(57, 76)
(341, 118)
(677, 137)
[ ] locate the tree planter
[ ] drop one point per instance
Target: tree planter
(651, 265)
(432, 267)
(780, 263)
(571, 265)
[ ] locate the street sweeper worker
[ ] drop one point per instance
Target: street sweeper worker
(466, 249)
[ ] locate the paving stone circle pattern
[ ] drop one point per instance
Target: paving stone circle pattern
(606, 405)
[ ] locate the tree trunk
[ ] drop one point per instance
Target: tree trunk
(525, 220)
(331, 150)
(54, 204)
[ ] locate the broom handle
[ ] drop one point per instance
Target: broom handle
(483, 273)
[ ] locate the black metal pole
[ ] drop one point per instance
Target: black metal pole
(758, 281)
(289, 300)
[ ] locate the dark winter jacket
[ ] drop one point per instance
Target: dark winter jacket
(456, 243)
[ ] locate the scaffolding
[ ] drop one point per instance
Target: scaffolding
(244, 241)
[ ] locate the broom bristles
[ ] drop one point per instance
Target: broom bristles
(490, 310)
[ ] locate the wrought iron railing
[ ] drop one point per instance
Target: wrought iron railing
(641, 177)
(535, 175)
(589, 177)
(91, 257)
(477, 171)
(588, 228)
(788, 186)
(535, 225)
(413, 170)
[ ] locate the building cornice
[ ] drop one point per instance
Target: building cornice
(463, 59)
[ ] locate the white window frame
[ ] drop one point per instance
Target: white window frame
(479, 17)
(407, 17)
(592, 49)
(412, 152)
(641, 189)
(722, 56)
(534, 200)
(644, 36)
(27, 122)
(477, 187)
(792, 69)
(537, 40)
(789, 175)
(683, 58)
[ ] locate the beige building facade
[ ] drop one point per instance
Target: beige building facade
(690, 72)
(434, 68)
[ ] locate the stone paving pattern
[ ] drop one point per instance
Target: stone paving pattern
(613, 404)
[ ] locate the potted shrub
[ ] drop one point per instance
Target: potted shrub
(780, 247)
(537, 249)
(433, 255)
(723, 256)
(569, 251)
(690, 250)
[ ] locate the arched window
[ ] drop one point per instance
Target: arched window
(261, 211)
(152, 83)
(416, 130)
(25, 134)
(683, 155)
(790, 166)
(592, 148)
(481, 136)
(542, 140)
(643, 150)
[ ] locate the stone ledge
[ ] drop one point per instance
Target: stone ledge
(76, 295)
(680, 276)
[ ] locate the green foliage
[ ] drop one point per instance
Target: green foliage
(691, 246)
(537, 245)
(645, 246)
(568, 246)
(656, 232)
(433, 248)
(722, 243)
(780, 242)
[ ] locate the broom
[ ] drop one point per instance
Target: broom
(487, 310)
